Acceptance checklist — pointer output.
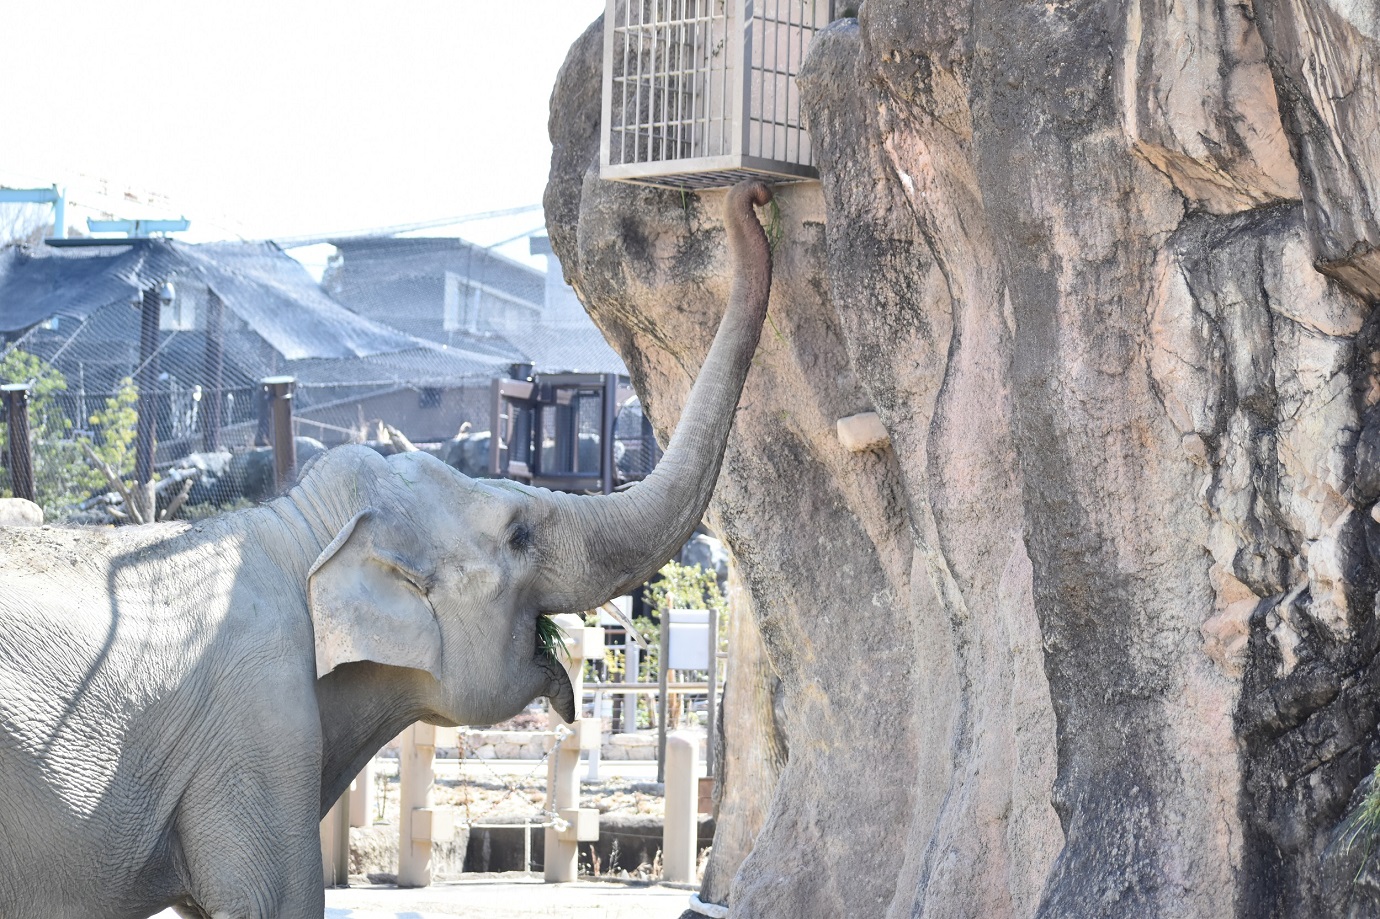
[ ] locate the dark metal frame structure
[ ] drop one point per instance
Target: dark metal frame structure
(536, 429)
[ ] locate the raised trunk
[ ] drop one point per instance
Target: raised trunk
(633, 533)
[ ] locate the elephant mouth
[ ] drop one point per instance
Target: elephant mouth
(550, 649)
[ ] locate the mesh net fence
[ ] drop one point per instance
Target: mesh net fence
(401, 333)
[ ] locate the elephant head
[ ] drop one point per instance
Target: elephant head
(446, 575)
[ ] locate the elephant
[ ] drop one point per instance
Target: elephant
(181, 703)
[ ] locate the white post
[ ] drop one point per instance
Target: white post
(632, 662)
(335, 844)
(562, 778)
(680, 836)
(592, 774)
(362, 797)
(415, 777)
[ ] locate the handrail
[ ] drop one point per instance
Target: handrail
(672, 689)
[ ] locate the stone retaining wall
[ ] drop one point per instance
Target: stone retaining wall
(533, 745)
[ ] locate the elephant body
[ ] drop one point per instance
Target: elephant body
(127, 750)
(181, 703)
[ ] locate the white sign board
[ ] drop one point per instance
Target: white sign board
(689, 640)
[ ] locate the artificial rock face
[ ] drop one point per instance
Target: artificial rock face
(1099, 607)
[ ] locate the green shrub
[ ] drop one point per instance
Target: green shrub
(62, 474)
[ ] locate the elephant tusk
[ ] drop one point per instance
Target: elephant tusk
(626, 622)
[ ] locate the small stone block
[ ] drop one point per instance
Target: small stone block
(584, 824)
(433, 824)
(862, 432)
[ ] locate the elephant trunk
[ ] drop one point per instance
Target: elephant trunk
(558, 689)
(609, 544)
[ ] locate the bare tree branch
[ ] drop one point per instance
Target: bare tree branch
(399, 440)
(178, 500)
(113, 477)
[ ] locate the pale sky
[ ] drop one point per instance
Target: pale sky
(287, 117)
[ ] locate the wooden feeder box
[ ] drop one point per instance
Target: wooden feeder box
(702, 93)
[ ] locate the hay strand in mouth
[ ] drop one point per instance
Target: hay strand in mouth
(551, 640)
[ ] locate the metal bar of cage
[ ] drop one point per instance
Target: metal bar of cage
(700, 93)
(740, 50)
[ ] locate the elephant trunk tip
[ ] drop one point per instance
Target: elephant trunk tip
(756, 191)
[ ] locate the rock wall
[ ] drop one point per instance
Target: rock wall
(1104, 271)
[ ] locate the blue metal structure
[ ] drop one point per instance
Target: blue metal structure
(55, 196)
(137, 229)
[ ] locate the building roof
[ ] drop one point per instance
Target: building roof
(402, 282)
(285, 322)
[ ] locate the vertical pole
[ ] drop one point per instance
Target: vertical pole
(537, 408)
(563, 780)
(680, 834)
(498, 431)
(214, 371)
(335, 843)
(263, 431)
(567, 436)
(21, 457)
(362, 796)
(632, 661)
(592, 773)
(342, 840)
(608, 417)
(663, 706)
(415, 777)
(279, 393)
(145, 381)
(648, 448)
(713, 713)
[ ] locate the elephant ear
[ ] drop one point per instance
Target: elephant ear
(368, 601)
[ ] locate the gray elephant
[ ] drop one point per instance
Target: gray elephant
(180, 704)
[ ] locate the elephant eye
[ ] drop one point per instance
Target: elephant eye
(521, 538)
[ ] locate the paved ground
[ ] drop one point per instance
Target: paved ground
(505, 896)
(511, 896)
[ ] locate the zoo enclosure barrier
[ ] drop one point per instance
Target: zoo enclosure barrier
(423, 823)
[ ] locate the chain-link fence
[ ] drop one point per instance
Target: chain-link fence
(407, 335)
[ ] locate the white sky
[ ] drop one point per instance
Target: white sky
(288, 117)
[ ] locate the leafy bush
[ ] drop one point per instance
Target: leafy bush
(62, 474)
(676, 586)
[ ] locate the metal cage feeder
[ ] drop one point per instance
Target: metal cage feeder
(702, 93)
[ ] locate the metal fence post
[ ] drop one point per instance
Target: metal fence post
(663, 704)
(21, 457)
(608, 426)
(279, 393)
(632, 657)
(145, 381)
(215, 372)
(712, 715)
